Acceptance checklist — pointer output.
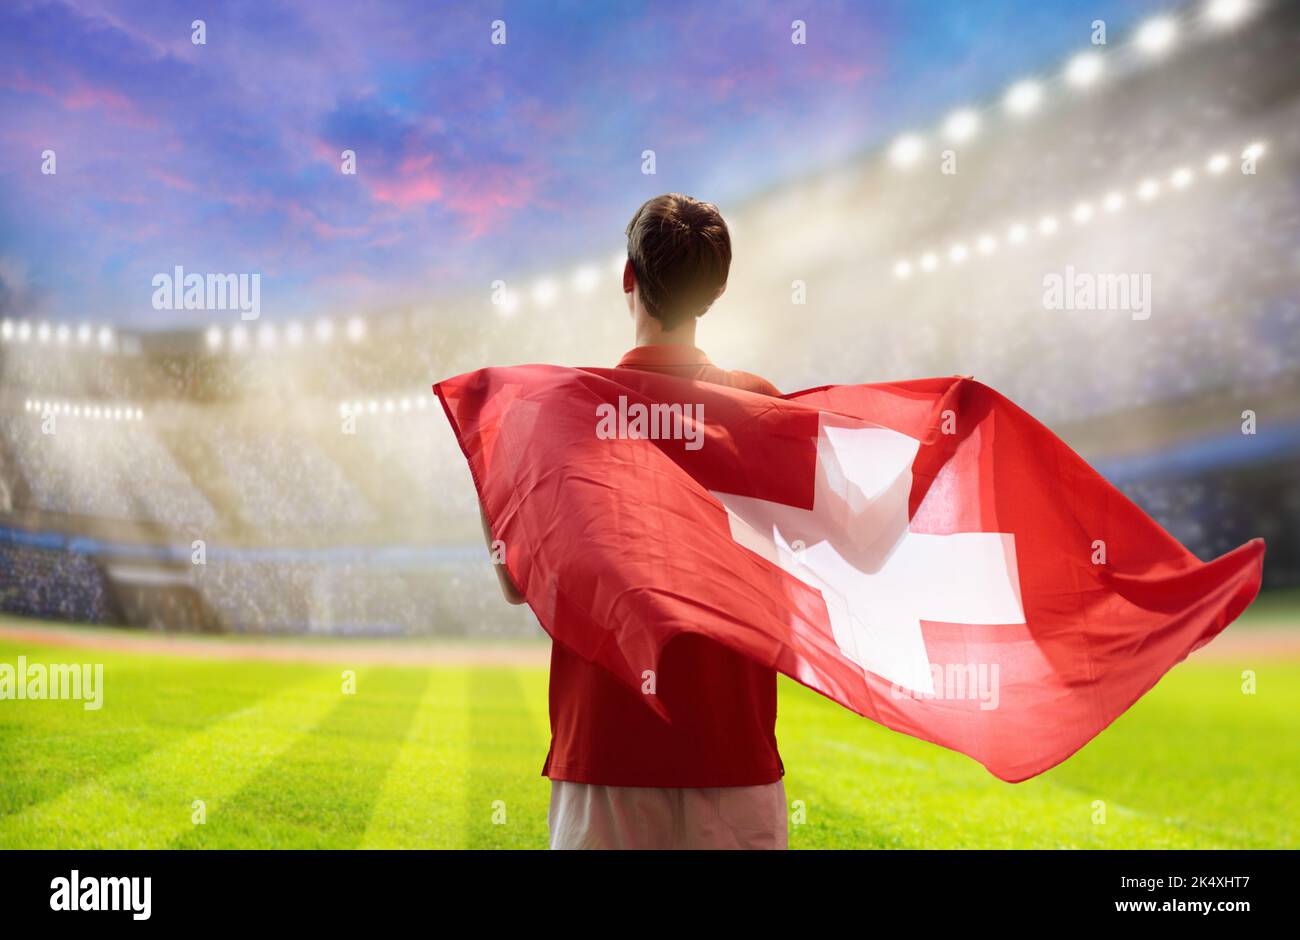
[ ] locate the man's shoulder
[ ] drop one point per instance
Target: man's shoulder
(753, 383)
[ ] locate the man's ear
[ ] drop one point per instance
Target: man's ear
(629, 277)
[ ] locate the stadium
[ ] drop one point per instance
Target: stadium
(228, 514)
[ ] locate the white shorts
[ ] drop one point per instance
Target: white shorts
(590, 816)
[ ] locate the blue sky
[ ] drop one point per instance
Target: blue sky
(474, 160)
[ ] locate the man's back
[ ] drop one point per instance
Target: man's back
(723, 706)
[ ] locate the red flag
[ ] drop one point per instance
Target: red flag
(925, 553)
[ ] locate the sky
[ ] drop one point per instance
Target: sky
(475, 160)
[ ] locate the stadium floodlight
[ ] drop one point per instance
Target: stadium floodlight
(358, 408)
(903, 270)
(1082, 213)
(1084, 69)
(24, 331)
(1254, 151)
(356, 329)
(961, 125)
(43, 333)
(1181, 178)
(213, 337)
(928, 261)
(344, 409)
(238, 336)
(1148, 189)
(405, 404)
(906, 150)
(6, 330)
(420, 403)
(545, 292)
(1023, 97)
(76, 411)
(987, 244)
(1156, 36)
(1114, 201)
(293, 333)
(266, 336)
(388, 405)
(1225, 13)
(1217, 164)
(63, 334)
(83, 334)
(117, 414)
(1047, 225)
(585, 279)
(324, 330)
(1016, 233)
(957, 253)
(105, 337)
(27, 405)
(97, 413)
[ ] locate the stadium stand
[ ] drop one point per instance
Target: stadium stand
(335, 444)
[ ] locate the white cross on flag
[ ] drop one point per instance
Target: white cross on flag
(924, 553)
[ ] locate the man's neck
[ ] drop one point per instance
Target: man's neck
(649, 334)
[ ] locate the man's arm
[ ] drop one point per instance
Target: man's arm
(503, 576)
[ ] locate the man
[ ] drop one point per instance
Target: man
(621, 777)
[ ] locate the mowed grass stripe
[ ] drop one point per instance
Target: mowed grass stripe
(148, 803)
(422, 802)
(48, 747)
(506, 750)
(320, 792)
(1161, 772)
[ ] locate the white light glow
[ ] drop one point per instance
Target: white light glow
(1217, 164)
(1084, 69)
(1023, 97)
(214, 337)
(1148, 190)
(1047, 225)
(957, 254)
(1227, 12)
(906, 150)
(903, 270)
(1181, 178)
(929, 262)
(545, 292)
(1114, 202)
(356, 329)
(1156, 36)
(961, 125)
(324, 331)
(585, 280)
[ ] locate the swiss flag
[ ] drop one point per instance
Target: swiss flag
(925, 553)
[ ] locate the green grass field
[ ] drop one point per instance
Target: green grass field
(420, 756)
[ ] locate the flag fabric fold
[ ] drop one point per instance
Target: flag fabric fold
(925, 553)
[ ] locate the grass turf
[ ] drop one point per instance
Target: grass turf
(449, 757)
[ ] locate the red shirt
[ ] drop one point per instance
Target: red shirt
(723, 705)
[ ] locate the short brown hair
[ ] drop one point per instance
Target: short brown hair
(680, 250)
